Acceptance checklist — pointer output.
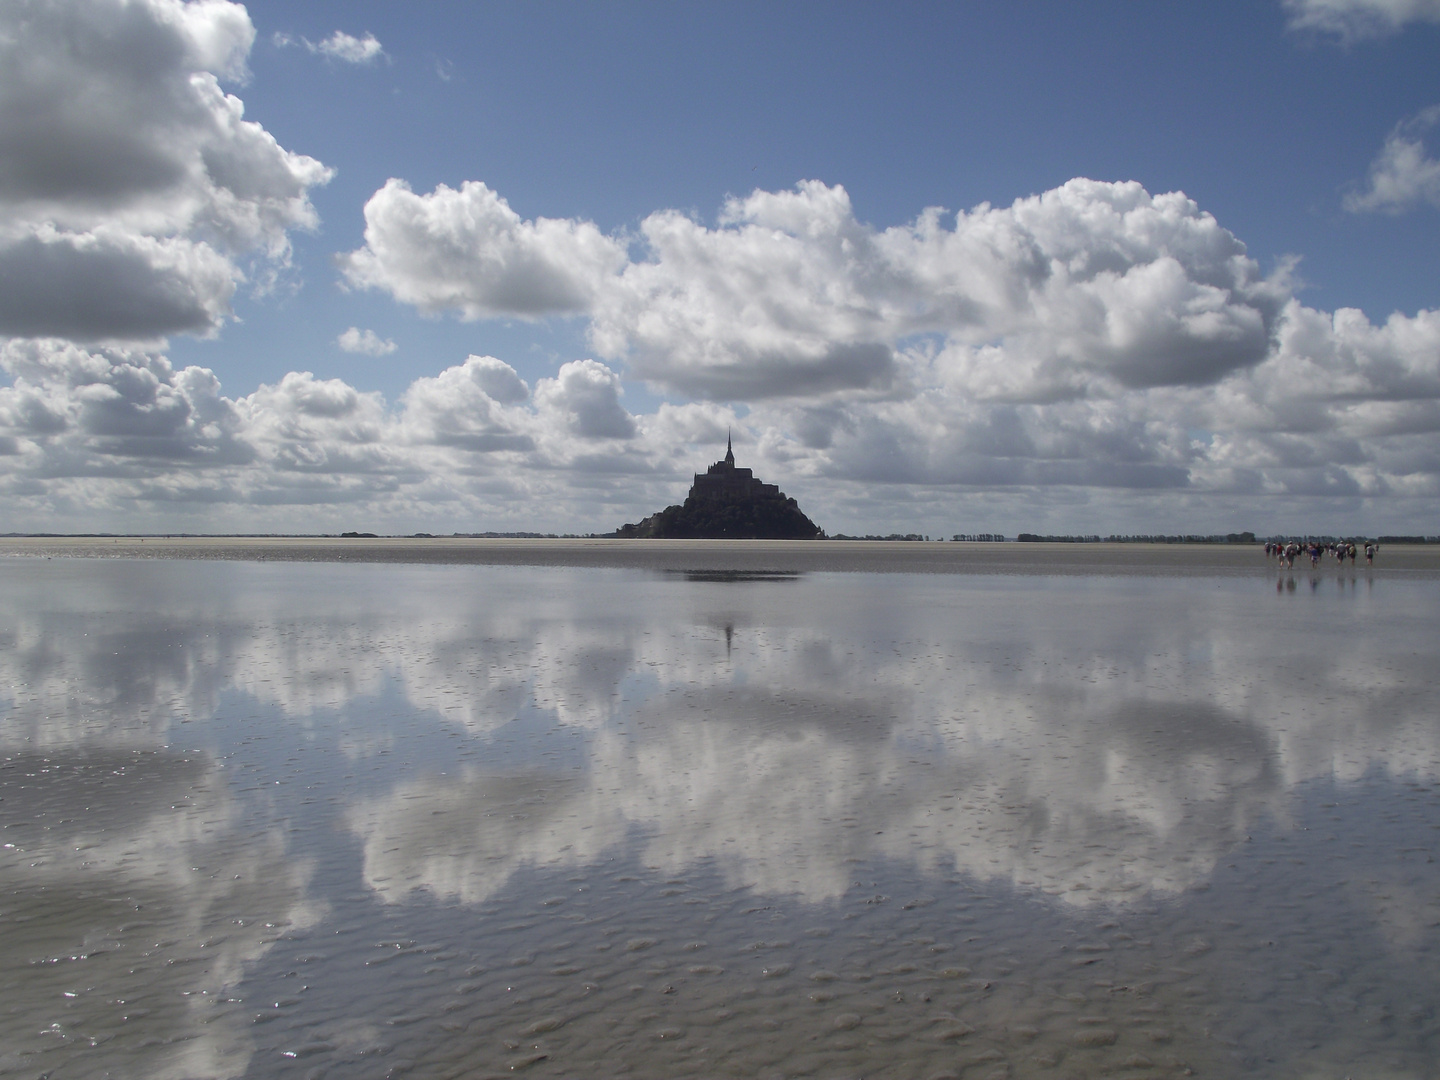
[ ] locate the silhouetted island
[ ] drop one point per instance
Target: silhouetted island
(726, 503)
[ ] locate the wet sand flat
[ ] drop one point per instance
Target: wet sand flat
(284, 820)
(846, 556)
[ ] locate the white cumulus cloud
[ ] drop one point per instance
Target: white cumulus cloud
(96, 430)
(1403, 175)
(1351, 20)
(134, 196)
(367, 342)
(338, 46)
(470, 407)
(469, 252)
(353, 50)
(1087, 287)
(587, 395)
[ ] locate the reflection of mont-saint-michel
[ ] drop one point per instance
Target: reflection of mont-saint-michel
(726, 503)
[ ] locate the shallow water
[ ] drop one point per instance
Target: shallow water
(290, 820)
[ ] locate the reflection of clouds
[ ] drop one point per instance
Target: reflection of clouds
(788, 808)
(1093, 759)
(1095, 739)
(1144, 796)
(462, 839)
(113, 654)
(77, 683)
(135, 902)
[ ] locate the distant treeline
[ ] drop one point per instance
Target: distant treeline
(892, 536)
(979, 538)
(1227, 538)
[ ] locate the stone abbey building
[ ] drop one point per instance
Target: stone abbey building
(728, 503)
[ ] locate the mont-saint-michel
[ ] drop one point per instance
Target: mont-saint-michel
(727, 503)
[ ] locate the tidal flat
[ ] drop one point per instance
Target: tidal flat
(719, 556)
(698, 814)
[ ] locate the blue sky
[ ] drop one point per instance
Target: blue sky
(660, 220)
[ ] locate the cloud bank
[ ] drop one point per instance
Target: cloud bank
(1095, 356)
(1095, 347)
(1339, 413)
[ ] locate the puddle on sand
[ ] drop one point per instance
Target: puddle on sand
(382, 821)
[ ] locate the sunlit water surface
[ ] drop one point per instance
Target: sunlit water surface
(298, 820)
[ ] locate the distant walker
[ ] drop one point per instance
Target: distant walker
(726, 503)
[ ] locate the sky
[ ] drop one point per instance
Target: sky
(939, 268)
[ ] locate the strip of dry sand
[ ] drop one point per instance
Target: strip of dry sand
(741, 556)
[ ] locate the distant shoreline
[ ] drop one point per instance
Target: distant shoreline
(720, 556)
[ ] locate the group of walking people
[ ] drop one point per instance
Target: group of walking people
(1286, 553)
